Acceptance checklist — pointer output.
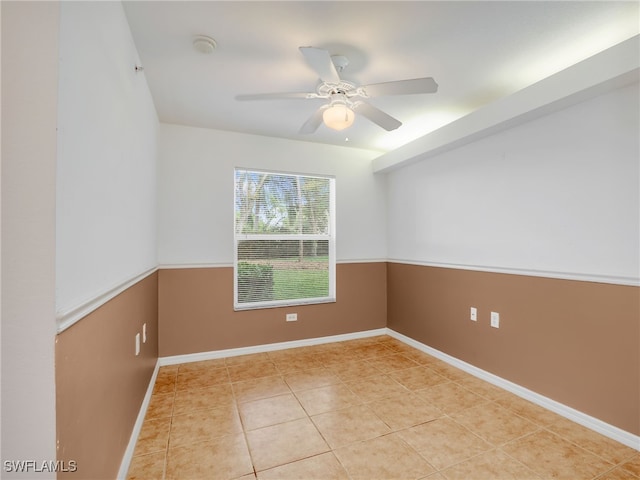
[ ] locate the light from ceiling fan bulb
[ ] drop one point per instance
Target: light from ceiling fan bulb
(338, 117)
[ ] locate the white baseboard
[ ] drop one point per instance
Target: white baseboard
(572, 414)
(270, 347)
(128, 453)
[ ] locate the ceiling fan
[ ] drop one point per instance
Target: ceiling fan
(346, 98)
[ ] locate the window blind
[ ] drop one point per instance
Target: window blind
(284, 239)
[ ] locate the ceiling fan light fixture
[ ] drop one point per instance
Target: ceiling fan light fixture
(338, 116)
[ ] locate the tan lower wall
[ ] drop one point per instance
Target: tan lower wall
(572, 341)
(100, 383)
(196, 310)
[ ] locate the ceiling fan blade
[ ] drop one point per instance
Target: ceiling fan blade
(402, 87)
(314, 121)
(377, 116)
(321, 62)
(274, 96)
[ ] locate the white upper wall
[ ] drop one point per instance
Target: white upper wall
(29, 96)
(107, 141)
(196, 187)
(557, 196)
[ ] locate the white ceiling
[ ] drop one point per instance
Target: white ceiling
(476, 51)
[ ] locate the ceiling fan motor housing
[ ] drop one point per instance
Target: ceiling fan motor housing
(339, 98)
(327, 90)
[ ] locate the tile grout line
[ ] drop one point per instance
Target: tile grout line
(582, 447)
(244, 433)
(173, 406)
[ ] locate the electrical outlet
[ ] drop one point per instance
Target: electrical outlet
(495, 319)
(292, 317)
(144, 333)
(137, 344)
(474, 314)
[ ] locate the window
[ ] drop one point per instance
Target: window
(284, 239)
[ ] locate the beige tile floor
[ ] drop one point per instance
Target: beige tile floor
(367, 409)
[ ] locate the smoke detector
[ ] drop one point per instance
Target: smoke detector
(204, 44)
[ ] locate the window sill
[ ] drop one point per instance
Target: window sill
(284, 303)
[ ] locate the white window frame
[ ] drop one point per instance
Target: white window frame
(330, 237)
